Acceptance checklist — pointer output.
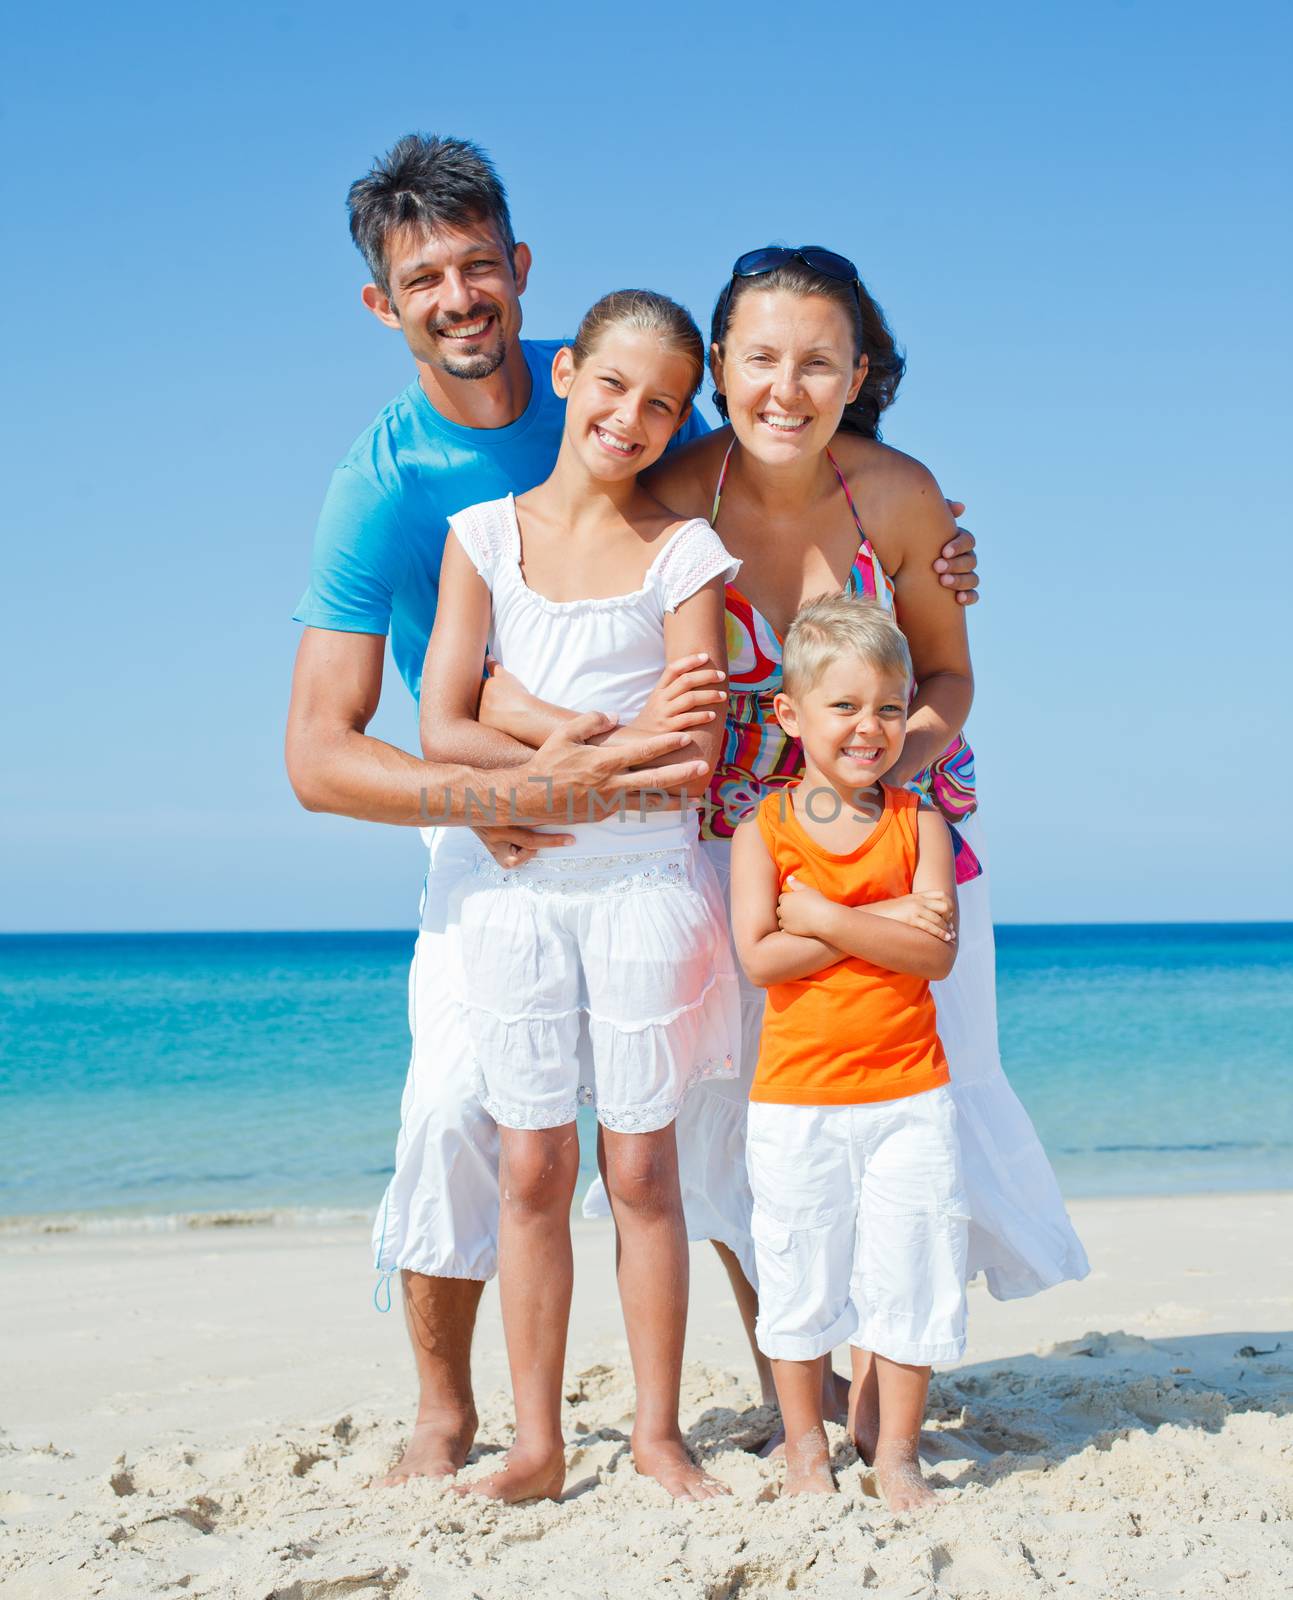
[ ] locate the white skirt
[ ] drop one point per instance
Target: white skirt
(624, 935)
(1020, 1236)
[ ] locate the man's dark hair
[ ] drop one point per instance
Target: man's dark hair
(427, 182)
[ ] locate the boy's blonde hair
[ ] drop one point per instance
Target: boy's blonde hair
(838, 625)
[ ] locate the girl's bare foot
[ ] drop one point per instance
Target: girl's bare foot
(667, 1461)
(901, 1482)
(525, 1475)
(437, 1447)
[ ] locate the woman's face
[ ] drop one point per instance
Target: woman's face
(626, 401)
(787, 372)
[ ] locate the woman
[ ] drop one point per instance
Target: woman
(803, 493)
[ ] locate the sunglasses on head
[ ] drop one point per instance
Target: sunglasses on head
(754, 263)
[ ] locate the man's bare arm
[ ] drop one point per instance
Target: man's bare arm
(334, 765)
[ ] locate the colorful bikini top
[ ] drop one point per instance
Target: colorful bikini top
(758, 755)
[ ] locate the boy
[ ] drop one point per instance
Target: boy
(843, 909)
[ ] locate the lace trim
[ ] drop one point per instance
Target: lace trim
(482, 530)
(627, 1119)
(626, 873)
(695, 557)
(648, 1119)
(530, 1118)
(511, 1018)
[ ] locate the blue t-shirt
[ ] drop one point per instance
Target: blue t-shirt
(381, 533)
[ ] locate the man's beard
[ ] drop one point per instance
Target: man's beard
(477, 363)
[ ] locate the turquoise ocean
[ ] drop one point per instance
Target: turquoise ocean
(149, 1075)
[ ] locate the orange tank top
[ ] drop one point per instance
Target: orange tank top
(853, 1032)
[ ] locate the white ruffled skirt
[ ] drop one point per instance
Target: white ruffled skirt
(1020, 1236)
(624, 935)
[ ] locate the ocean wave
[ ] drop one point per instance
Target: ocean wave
(181, 1221)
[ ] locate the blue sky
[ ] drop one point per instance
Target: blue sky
(1077, 219)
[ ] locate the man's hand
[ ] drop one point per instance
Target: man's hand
(930, 910)
(512, 845)
(800, 909)
(688, 694)
(564, 775)
(957, 566)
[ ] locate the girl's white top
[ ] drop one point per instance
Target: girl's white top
(588, 655)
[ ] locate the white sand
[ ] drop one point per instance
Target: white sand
(198, 1413)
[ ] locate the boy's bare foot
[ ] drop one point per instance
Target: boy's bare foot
(524, 1475)
(814, 1479)
(900, 1480)
(808, 1466)
(667, 1461)
(835, 1408)
(437, 1447)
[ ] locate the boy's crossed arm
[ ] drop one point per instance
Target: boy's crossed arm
(782, 935)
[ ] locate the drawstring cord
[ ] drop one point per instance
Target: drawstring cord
(383, 1284)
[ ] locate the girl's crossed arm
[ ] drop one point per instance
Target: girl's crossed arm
(689, 696)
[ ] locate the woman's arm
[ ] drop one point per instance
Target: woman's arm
(912, 523)
(767, 954)
(925, 946)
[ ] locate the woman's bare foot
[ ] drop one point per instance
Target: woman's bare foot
(667, 1461)
(525, 1475)
(835, 1396)
(901, 1482)
(437, 1447)
(864, 1418)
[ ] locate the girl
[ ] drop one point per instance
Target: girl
(579, 588)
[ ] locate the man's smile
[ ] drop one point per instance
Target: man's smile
(466, 330)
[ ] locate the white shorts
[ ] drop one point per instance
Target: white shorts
(1021, 1238)
(634, 940)
(859, 1227)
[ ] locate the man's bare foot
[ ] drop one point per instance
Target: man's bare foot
(667, 1461)
(525, 1475)
(901, 1482)
(437, 1447)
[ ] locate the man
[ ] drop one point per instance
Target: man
(479, 421)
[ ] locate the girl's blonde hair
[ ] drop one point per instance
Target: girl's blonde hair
(644, 311)
(836, 625)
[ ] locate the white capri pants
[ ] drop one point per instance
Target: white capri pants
(439, 1215)
(860, 1223)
